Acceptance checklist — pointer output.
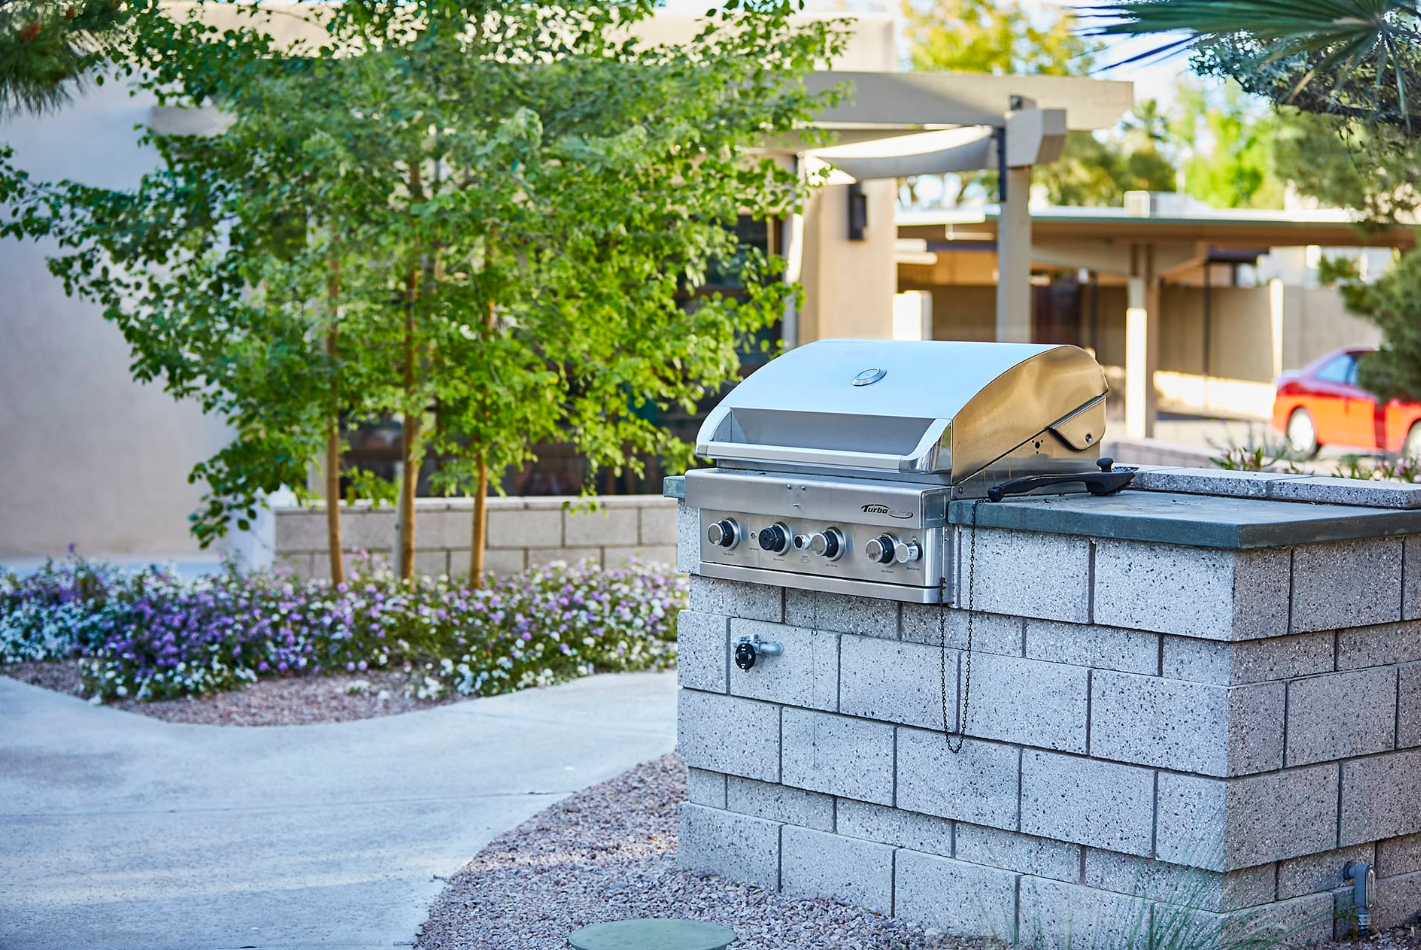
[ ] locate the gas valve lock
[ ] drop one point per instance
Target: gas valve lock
(748, 651)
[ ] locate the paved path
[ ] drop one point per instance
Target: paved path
(119, 832)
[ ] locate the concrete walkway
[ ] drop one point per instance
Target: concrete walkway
(119, 832)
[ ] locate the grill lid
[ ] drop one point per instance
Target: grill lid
(913, 408)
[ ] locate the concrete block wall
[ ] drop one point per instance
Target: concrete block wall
(523, 532)
(1162, 739)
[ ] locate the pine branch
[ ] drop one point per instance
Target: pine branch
(48, 50)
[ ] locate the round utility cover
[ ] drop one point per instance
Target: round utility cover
(652, 933)
(870, 376)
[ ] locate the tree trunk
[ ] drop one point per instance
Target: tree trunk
(333, 542)
(333, 470)
(480, 532)
(410, 435)
(476, 552)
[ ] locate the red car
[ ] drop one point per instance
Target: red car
(1323, 405)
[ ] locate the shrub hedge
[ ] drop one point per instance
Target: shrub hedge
(151, 634)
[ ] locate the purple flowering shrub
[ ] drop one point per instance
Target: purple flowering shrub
(56, 612)
(151, 634)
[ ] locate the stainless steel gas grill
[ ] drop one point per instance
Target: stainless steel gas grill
(836, 462)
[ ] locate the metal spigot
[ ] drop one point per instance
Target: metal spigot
(749, 649)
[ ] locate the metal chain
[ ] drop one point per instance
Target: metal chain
(961, 737)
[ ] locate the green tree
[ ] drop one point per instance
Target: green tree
(1344, 164)
(1003, 38)
(481, 218)
(1393, 303)
(1099, 169)
(986, 36)
(1233, 144)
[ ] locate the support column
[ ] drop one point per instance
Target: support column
(1014, 259)
(1141, 344)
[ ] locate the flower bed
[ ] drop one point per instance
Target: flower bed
(150, 634)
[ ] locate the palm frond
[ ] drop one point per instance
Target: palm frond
(1300, 52)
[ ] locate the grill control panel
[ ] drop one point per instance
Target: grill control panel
(910, 557)
(865, 537)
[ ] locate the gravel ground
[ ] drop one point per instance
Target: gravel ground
(1401, 938)
(272, 702)
(609, 853)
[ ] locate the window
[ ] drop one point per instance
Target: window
(1341, 369)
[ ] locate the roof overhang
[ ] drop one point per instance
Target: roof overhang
(1113, 226)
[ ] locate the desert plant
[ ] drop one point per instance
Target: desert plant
(1383, 469)
(1268, 455)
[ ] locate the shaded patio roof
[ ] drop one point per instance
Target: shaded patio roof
(1228, 228)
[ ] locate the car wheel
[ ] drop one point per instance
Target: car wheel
(1302, 435)
(1411, 448)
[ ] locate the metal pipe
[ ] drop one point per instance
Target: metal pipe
(1364, 885)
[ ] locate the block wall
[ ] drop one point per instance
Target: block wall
(522, 532)
(1162, 740)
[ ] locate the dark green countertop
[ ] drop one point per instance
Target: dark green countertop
(1193, 520)
(1205, 521)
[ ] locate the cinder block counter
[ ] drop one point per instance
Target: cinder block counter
(1191, 705)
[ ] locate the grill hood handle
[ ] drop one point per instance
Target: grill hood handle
(1107, 481)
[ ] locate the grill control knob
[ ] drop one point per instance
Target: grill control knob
(775, 538)
(881, 549)
(828, 544)
(724, 533)
(908, 552)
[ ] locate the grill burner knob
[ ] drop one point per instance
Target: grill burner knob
(775, 538)
(724, 533)
(828, 543)
(881, 549)
(908, 553)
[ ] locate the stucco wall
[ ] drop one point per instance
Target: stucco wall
(849, 285)
(89, 457)
(1241, 335)
(1315, 322)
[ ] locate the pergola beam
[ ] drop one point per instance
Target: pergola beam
(1028, 135)
(944, 100)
